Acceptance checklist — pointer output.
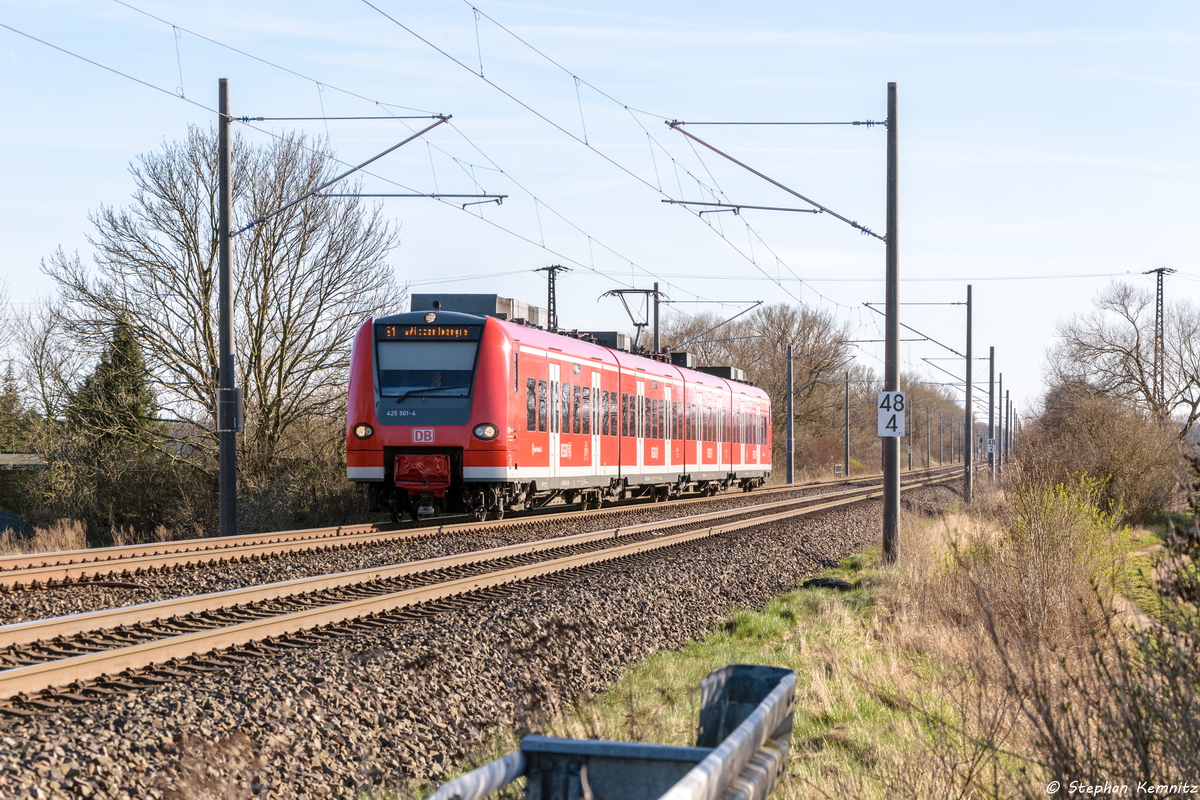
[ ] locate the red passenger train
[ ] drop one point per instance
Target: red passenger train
(472, 413)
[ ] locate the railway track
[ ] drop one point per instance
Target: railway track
(163, 641)
(99, 565)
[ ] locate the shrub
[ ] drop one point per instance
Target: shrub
(1135, 460)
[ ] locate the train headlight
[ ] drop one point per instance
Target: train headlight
(486, 431)
(363, 431)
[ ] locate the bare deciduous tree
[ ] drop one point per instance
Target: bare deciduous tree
(304, 280)
(757, 343)
(48, 361)
(1112, 350)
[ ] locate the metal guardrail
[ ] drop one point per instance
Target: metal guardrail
(740, 753)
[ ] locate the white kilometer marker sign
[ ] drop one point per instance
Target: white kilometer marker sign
(891, 413)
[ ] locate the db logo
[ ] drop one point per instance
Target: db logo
(422, 435)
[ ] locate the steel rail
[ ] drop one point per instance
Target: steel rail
(211, 544)
(96, 564)
(79, 669)
(25, 633)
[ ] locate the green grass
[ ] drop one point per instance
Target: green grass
(883, 705)
(851, 713)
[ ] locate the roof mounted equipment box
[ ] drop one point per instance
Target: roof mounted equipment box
(485, 305)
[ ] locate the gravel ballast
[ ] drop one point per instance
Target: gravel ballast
(24, 605)
(407, 702)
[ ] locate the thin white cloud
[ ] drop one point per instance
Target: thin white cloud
(855, 39)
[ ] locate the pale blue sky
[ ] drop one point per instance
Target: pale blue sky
(1036, 140)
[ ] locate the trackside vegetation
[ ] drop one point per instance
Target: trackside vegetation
(1003, 653)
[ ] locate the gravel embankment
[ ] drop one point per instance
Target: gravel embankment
(46, 603)
(387, 707)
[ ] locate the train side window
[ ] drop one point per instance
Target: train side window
(612, 412)
(585, 411)
(530, 404)
(604, 412)
(564, 424)
(624, 414)
(660, 428)
(575, 409)
(516, 377)
(541, 406)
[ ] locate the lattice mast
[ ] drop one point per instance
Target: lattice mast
(551, 301)
(1159, 376)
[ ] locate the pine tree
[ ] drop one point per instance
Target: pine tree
(115, 401)
(15, 421)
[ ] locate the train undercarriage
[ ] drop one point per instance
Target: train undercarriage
(488, 499)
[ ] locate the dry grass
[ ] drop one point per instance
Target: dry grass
(123, 535)
(67, 534)
(986, 663)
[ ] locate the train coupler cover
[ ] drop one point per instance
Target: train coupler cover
(423, 474)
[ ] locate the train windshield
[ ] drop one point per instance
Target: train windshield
(432, 369)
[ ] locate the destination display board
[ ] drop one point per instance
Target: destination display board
(428, 333)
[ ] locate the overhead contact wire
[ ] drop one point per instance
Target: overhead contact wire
(549, 121)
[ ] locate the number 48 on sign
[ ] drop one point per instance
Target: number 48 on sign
(891, 413)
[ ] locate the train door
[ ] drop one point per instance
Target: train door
(752, 433)
(555, 412)
(719, 433)
(666, 435)
(595, 411)
(639, 419)
(739, 435)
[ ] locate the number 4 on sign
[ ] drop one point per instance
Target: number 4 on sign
(891, 413)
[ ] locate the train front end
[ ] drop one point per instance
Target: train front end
(426, 407)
